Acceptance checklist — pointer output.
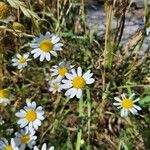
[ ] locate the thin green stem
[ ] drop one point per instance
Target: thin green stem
(79, 134)
(89, 115)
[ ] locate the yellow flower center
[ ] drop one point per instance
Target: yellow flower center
(46, 45)
(22, 60)
(25, 139)
(4, 10)
(4, 93)
(9, 147)
(62, 71)
(127, 103)
(78, 82)
(56, 86)
(31, 115)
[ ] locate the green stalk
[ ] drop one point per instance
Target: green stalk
(79, 134)
(89, 115)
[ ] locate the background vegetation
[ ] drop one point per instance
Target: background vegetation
(117, 69)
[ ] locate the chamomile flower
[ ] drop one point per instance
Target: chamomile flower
(25, 138)
(4, 97)
(61, 69)
(147, 31)
(127, 105)
(21, 61)
(5, 145)
(76, 82)
(30, 116)
(55, 87)
(44, 147)
(45, 46)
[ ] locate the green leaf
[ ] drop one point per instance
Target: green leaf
(145, 101)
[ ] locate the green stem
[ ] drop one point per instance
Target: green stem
(89, 115)
(79, 134)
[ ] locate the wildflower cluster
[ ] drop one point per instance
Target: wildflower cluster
(30, 119)
(63, 77)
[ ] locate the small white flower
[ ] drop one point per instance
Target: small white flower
(147, 31)
(43, 147)
(45, 46)
(5, 145)
(61, 70)
(4, 97)
(126, 105)
(76, 82)
(55, 87)
(25, 138)
(30, 116)
(21, 61)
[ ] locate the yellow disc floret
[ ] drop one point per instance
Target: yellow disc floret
(56, 86)
(4, 10)
(9, 147)
(25, 139)
(127, 103)
(5, 93)
(22, 60)
(78, 82)
(46, 45)
(62, 71)
(31, 115)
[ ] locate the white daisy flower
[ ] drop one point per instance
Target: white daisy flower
(127, 105)
(25, 138)
(55, 87)
(76, 82)
(21, 61)
(45, 46)
(60, 70)
(4, 97)
(147, 31)
(43, 147)
(30, 116)
(5, 145)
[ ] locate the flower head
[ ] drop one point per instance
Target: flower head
(76, 82)
(45, 46)
(55, 86)
(4, 97)
(126, 105)
(30, 116)
(4, 10)
(61, 70)
(5, 145)
(21, 61)
(44, 147)
(25, 138)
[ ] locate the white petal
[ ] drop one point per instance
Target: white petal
(35, 50)
(44, 146)
(37, 54)
(79, 71)
(116, 104)
(136, 100)
(48, 57)
(55, 39)
(69, 76)
(79, 93)
(42, 56)
(137, 107)
(73, 93)
(117, 99)
(90, 81)
(53, 53)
